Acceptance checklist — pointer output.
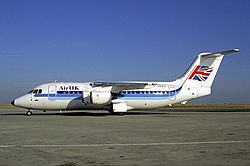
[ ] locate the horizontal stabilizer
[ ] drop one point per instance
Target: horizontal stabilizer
(217, 54)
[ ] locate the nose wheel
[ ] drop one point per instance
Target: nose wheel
(28, 113)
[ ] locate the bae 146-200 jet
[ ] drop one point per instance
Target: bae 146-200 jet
(121, 96)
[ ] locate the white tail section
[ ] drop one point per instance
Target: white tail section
(204, 69)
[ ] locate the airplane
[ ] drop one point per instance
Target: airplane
(121, 96)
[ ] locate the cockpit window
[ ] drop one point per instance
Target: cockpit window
(31, 91)
(36, 91)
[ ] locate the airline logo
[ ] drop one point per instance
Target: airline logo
(201, 73)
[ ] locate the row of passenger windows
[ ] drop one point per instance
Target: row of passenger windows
(39, 91)
(69, 92)
(36, 91)
(145, 92)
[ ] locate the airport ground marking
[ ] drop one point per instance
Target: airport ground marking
(130, 144)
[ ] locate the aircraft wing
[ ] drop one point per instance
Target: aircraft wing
(118, 86)
(118, 83)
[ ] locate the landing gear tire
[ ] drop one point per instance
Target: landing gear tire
(28, 113)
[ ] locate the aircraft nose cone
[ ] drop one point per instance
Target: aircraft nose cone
(13, 102)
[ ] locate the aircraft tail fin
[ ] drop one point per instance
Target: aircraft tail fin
(203, 70)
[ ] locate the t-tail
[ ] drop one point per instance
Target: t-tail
(202, 72)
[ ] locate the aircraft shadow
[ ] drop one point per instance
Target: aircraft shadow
(110, 114)
(95, 114)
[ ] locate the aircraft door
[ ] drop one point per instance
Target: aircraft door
(172, 92)
(52, 94)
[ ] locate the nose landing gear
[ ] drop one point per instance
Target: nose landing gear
(28, 113)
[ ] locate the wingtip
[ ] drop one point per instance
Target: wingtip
(237, 50)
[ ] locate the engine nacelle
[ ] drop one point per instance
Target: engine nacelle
(101, 97)
(97, 97)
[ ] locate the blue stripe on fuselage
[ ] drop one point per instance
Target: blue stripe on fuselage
(124, 95)
(61, 96)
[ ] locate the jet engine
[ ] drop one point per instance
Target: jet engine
(96, 97)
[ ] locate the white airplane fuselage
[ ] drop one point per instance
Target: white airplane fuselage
(126, 95)
(68, 96)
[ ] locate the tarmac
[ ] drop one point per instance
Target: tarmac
(158, 137)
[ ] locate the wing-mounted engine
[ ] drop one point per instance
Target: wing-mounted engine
(101, 97)
(96, 97)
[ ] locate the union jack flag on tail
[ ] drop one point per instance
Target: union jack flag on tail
(201, 73)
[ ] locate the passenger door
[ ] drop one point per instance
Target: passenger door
(52, 94)
(172, 92)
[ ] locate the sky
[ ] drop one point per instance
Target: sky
(117, 40)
